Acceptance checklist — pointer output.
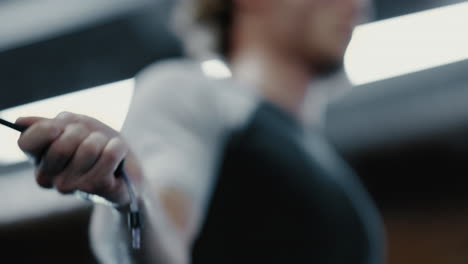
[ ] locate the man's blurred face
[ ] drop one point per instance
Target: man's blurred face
(318, 30)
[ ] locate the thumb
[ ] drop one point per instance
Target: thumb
(26, 122)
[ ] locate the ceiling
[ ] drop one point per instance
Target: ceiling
(391, 8)
(108, 40)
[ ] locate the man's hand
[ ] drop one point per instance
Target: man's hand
(76, 152)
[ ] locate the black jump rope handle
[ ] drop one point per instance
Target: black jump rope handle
(19, 128)
(134, 220)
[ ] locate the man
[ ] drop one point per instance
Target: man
(222, 167)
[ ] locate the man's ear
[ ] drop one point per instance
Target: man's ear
(251, 5)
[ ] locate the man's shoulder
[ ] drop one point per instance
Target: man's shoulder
(188, 88)
(173, 70)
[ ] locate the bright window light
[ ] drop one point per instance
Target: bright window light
(108, 103)
(216, 69)
(408, 44)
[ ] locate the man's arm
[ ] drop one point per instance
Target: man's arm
(75, 152)
(171, 144)
(175, 130)
(79, 153)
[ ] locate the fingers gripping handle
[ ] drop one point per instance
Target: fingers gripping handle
(134, 215)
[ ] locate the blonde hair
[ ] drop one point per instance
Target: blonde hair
(203, 26)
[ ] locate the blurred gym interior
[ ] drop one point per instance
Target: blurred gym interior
(404, 135)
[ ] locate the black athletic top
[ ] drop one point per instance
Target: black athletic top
(276, 202)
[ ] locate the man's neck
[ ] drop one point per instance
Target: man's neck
(281, 78)
(283, 82)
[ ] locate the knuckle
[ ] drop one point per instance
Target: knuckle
(65, 115)
(68, 117)
(111, 156)
(92, 145)
(81, 118)
(76, 127)
(45, 125)
(98, 135)
(42, 125)
(89, 149)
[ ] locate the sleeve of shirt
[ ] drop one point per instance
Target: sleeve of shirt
(177, 124)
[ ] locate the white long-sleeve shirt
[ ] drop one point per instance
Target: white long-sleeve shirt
(179, 125)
